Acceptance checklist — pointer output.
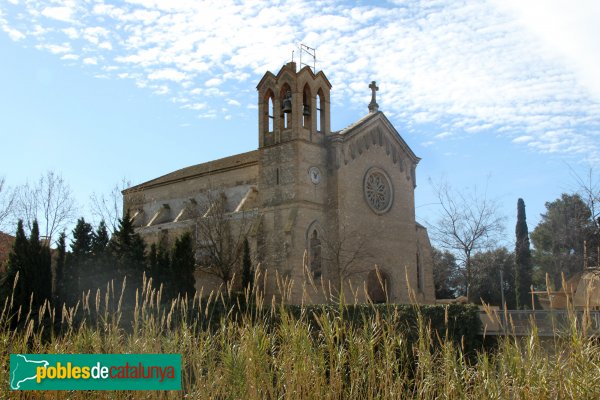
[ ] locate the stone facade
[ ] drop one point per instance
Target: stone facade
(329, 210)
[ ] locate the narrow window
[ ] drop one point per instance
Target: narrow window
(270, 114)
(277, 176)
(419, 284)
(318, 102)
(315, 255)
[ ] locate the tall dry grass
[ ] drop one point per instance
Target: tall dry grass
(264, 352)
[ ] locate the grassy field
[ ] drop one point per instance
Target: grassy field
(270, 353)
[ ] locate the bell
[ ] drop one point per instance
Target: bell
(287, 105)
(306, 110)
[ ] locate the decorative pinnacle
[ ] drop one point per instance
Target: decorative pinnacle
(373, 106)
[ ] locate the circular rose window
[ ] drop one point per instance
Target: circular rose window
(378, 190)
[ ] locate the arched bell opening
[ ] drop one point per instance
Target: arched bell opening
(320, 102)
(269, 115)
(286, 106)
(306, 107)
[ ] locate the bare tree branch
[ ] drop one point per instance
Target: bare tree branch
(347, 254)
(7, 203)
(588, 187)
(109, 207)
(220, 236)
(468, 222)
(49, 201)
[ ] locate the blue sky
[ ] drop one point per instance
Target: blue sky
(504, 94)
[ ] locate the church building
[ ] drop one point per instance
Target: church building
(322, 210)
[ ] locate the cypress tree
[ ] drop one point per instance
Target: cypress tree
(59, 270)
(33, 253)
(159, 267)
(182, 266)
(40, 267)
(153, 262)
(247, 272)
(523, 264)
(18, 261)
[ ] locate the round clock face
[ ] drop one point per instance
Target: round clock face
(315, 175)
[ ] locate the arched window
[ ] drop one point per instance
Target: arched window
(269, 112)
(315, 254)
(306, 111)
(377, 286)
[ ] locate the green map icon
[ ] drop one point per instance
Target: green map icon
(23, 369)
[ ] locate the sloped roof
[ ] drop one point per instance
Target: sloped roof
(221, 165)
(371, 118)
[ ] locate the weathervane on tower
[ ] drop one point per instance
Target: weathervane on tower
(373, 106)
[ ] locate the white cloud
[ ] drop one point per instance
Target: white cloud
(567, 30)
(195, 106)
(168, 74)
(90, 61)
(59, 13)
(161, 89)
(14, 34)
(55, 48)
(73, 57)
(95, 34)
(525, 70)
(213, 82)
(71, 33)
(523, 139)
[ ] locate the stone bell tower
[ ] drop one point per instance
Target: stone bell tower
(293, 105)
(293, 123)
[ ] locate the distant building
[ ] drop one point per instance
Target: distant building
(6, 243)
(307, 189)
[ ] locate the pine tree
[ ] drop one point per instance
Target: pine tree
(128, 250)
(182, 266)
(247, 271)
(523, 264)
(100, 239)
(103, 263)
(78, 261)
(81, 244)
